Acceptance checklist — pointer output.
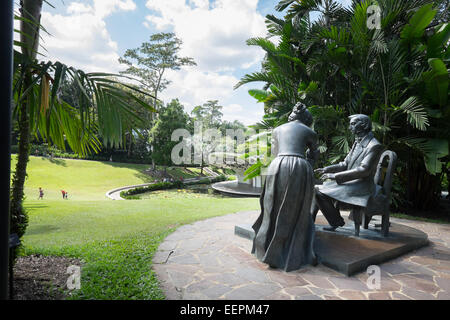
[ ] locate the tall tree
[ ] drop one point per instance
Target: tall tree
(171, 117)
(152, 59)
(209, 113)
(233, 125)
(207, 119)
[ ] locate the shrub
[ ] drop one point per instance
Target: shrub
(177, 184)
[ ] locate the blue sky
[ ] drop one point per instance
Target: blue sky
(93, 34)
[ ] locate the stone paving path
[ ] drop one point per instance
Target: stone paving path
(205, 260)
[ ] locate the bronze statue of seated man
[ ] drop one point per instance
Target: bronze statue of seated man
(352, 180)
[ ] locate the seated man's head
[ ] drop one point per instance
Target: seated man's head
(301, 113)
(360, 124)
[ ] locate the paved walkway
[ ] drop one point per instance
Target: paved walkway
(205, 260)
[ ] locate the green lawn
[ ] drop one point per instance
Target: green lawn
(87, 180)
(83, 179)
(115, 239)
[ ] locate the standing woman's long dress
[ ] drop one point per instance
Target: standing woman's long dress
(284, 231)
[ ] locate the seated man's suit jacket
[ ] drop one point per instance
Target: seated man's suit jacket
(354, 182)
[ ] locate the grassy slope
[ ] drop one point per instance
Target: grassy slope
(116, 239)
(84, 180)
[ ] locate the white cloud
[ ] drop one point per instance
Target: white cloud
(242, 113)
(233, 108)
(213, 35)
(78, 8)
(80, 37)
(233, 112)
(195, 87)
(103, 8)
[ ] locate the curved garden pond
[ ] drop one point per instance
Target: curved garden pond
(194, 191)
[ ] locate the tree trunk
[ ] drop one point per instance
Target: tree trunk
(129, 144)
(30, 10)
(18, 216)
(29, 37)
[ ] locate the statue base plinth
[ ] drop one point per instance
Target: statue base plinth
(342, 251)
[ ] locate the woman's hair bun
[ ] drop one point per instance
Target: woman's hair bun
(299, 108)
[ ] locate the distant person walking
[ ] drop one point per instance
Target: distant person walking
(41, 193)
(64, 194)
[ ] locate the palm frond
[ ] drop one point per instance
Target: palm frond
(341, 143)
(57, 121)
(416, 113)
(274, 25)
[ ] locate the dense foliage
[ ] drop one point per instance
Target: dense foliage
(170, 118)
(393, 68)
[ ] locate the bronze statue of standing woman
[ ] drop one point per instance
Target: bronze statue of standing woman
(284, 231)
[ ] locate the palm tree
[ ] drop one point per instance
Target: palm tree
(330, 11)
(397, 74)
(40, 111)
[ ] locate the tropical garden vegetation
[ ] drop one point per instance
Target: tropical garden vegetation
(388, 59)
(62, 111)
(114, 241)
(395, 70)
(40, 111)
(65, 112)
